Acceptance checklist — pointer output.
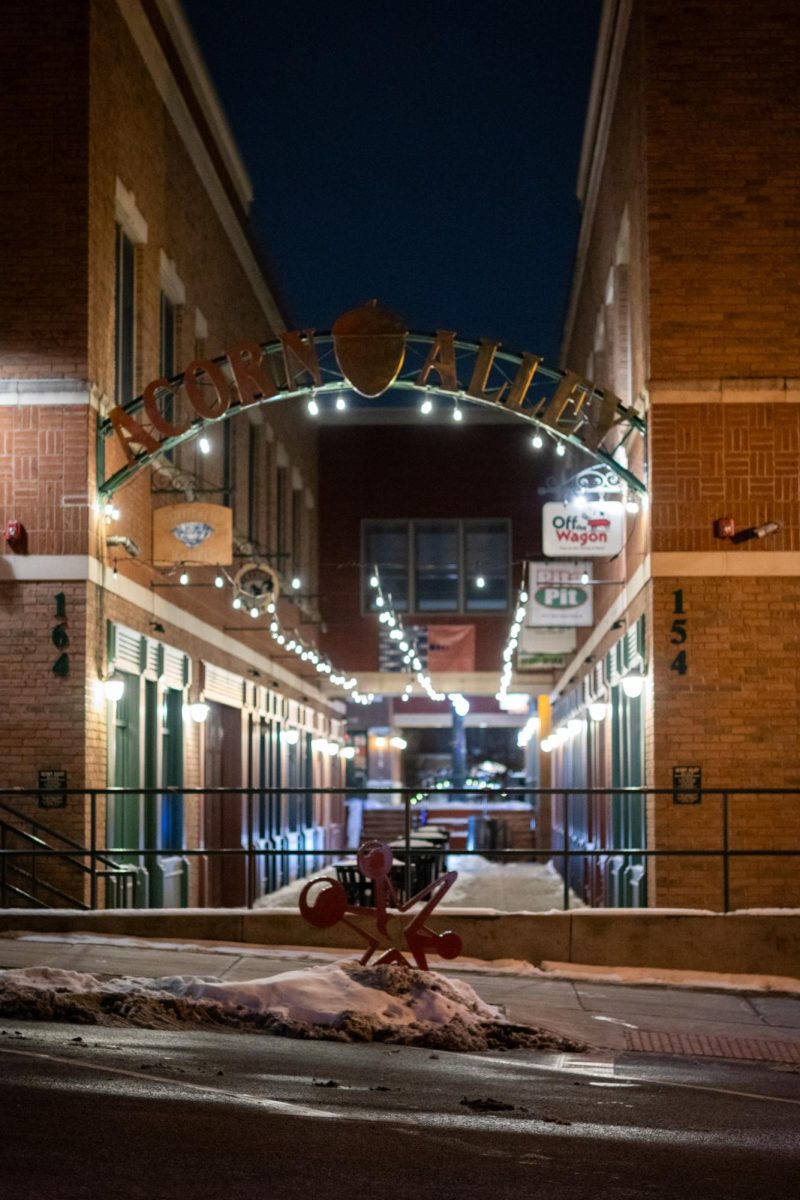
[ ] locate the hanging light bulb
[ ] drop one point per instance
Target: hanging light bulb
(374, 581)
(297, 583)
(341, 404)
(236, 602)
(184, 578)
(631, 506)
(480, 581)
(426, 407)
(561, 450)
(379, 601)
(219, 581)
(457, 414)
(313, 407)
(204, 445)
(537, 441)
(584, 576)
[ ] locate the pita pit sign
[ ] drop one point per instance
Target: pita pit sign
(595, 530)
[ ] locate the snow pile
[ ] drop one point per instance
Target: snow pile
(341, 1001)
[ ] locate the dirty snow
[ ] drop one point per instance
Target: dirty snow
(341, 1001)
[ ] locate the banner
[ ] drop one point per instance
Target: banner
(557, 597)
(451, 647)
(596, 529)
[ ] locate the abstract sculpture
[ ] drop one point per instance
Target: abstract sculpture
(328, 905)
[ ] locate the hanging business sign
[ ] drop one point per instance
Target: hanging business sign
(545, 649)
(581, 528)
(193, 533)
(558, 597)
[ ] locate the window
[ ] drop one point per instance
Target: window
(124, 317)
(438, 566)
(297, 532)
(386, 546)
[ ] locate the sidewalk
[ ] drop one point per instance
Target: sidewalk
(744, 1025)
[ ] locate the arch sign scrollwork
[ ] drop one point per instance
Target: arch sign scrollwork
(368, 351)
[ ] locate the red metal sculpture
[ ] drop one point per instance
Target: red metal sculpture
(329, 905)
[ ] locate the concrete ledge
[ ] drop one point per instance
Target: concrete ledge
(741, 943)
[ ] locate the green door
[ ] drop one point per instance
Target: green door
(125, 814)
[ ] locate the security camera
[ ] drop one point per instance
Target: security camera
(756, 531)
(127, 543)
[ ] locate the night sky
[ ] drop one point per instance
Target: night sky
(425, 154)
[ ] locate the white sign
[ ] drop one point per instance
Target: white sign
(595, 529)
(556, 596)
(545, 648)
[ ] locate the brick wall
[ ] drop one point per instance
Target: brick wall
(43, 189)
(723, 184)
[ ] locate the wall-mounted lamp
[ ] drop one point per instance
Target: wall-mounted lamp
(113, 689)
(633, 684)
(598, 710)
(199, 711)
(292, 737)
(399, 743)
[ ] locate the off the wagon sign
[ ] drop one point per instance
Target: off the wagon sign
(595, 530)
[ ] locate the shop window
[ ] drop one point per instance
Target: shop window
(438, 566)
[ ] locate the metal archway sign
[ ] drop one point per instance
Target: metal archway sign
(368, 350)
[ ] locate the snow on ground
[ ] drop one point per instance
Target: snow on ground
(340, 1001)
(481, 884)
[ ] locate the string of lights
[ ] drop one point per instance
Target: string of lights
(512, 641)
(407, 644)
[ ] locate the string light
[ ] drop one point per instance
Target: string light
(219, 581)
(204, 445)
(341, 404)
(184, 578)
(426, 407)
(537, 441)
(512, 642)
(313, 407)
(458, 414)
(561, 450)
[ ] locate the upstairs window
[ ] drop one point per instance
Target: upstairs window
(446, 566)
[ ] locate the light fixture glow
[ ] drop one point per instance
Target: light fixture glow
(426, 407)
(561, 450)
(199, 712)
(313, 408)
(236, 602)
(204, 445)
(297, 583)
(341, 404)
(597, 710)
(254, 612)
(113, 689)
(291, 737)
(184, 578)
(374, 581)
(347, 752)
(399, 743)
(631, 506)
(537, 441)
(457, 414)
(480, 581)
(633, 684)
(219, 581)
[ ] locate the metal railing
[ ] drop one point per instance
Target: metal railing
(28, 845)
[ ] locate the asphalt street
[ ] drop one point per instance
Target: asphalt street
(90, 1111)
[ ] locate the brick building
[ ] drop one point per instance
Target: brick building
(127, 254)
(684, 301)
